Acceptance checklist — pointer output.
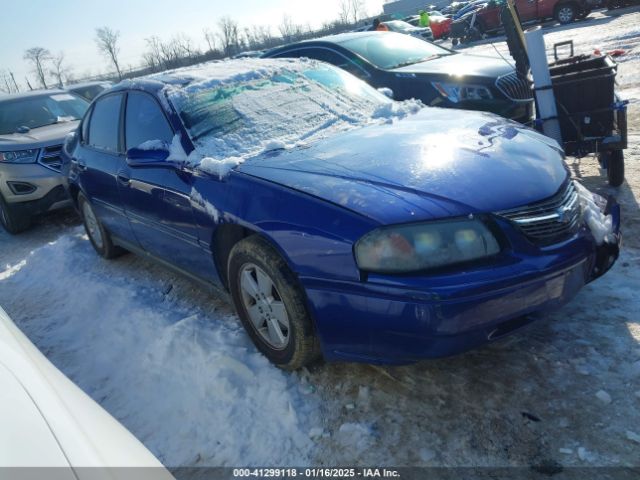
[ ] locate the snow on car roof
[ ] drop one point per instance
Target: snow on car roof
(209, 74)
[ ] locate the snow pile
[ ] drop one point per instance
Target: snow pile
(392, 110)
(151, 145)
(241, 108)
(185, 380)
(204, 205)
(219, 167)
(601, 225)
(176, 150)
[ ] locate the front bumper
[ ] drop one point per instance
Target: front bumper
(405, 320)
(46, 188)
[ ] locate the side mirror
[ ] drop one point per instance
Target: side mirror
(152, 157)
(387, 92)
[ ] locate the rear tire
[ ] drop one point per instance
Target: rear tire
(98, 235)
(12, 222)
(566, 13)
(614, 161)
(271, 304)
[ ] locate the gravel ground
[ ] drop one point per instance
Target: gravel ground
(564, 392)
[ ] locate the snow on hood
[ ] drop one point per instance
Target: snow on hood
(268, 105)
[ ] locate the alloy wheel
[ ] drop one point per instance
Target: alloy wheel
(264, 305)
(565, 14)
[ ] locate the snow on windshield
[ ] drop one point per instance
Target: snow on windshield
(237, 109)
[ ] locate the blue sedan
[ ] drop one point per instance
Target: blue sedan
(343, 224)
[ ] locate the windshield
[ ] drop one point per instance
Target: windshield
(393, 50)
(399, 26)
(286, 105)
(39, 111)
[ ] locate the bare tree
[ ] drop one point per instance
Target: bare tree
(229, 35)
(152, 58)
(210, 38)
(59, 69)
(289, 30)
(344, 12)
(107, 42)
(8, 82)
(38, 56)
(351, 11)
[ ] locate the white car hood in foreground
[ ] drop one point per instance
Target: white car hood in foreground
(47, 421)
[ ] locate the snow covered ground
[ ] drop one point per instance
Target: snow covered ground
(171, 362)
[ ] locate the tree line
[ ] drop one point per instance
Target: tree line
(228, 39)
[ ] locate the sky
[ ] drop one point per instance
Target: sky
(69, 25)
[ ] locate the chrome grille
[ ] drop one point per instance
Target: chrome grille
(50, 157)
(514, 87)
(549, 220)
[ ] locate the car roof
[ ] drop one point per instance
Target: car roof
(337, 39)
(31, 94)
(73, 86)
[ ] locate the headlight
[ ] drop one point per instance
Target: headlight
(20, 156)
(410, 248)
(459, 93)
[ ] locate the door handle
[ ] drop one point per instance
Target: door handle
(123, 179)
(82, 166)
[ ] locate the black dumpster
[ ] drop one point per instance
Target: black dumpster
(592, 118)
(584, 87)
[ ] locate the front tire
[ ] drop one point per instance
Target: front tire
(98, 235)
(271, 304)
(12, 222)
(566, 13)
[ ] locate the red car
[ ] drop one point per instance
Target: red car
(564, 11)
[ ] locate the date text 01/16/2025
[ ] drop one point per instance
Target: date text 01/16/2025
(315, 472)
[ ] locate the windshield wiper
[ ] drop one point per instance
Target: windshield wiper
(413, 62)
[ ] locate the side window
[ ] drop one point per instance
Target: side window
(104, 124)
(144, 121)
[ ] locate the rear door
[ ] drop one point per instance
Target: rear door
(99, 158)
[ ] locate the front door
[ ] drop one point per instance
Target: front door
(99, 157)
(157, 199)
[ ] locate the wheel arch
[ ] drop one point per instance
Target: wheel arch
(228, 235)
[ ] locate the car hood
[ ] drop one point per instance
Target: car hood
(435, 164)
(460, 65)
(38, 137)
